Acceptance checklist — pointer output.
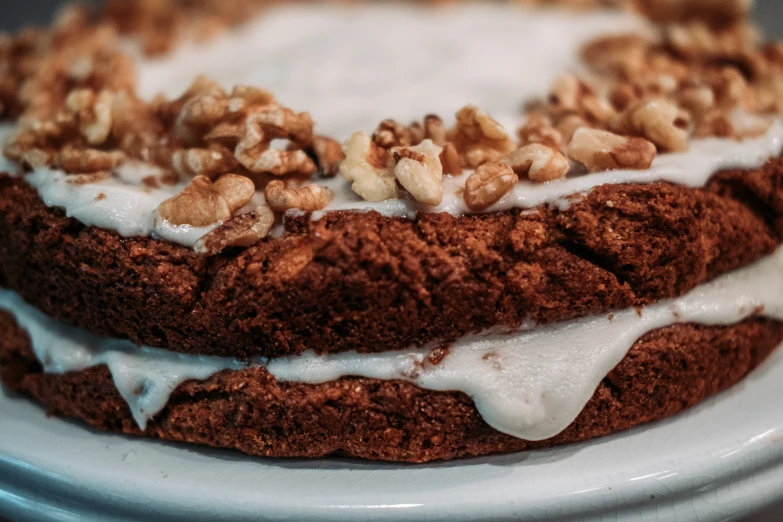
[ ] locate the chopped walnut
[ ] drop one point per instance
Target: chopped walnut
(329, 153)
(241, 231)
(539, 162)
(212, 162)
(203, 203)
(94, 112)
(478, 138)
(621, 55)
(736, 124)
(539, 129)
(83, 161)
(572, 95)
(261, 128)
(246, 99)
(488, 184)
(658, 121)
(282, 122)
(203, 110)
(434, 130)
(449, 159)
(696, 100)
(568, 126)
(282, 163)
(419, 171)
(86, 179)
(391, 134)
(730, 88)
(308, 198)
(600, 150)
(367, 166)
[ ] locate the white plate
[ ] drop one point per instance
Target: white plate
(718, 461)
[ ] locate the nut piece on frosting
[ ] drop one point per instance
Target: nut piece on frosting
(419, 171)
(242, 231)
(260, 128)
(658, 121)
(367, 166)
(329, 153)
(600, 150)
(478, 138)
(539, 162)
(94, 113)
(391, 133)
(212, 162)
(539, 129)
(308, 198)
(282, 163)
(204, 203)
(83, 161)
(450, 160)
(488, 184)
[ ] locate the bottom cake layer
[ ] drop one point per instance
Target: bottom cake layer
(665, 372)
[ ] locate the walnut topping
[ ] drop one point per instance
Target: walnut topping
(391, 134)
(211, 162)
(434, 130)
(601, 150)
(621, 55)
(539, 162)
(329, 153)
(308, 198)
(94, 113)
(696, 100)
(419, 171)
(658, 121)
(283, 162)
(71, 159)
(241, 231)
(203, 203)
(367, 166)
(478, 138)
(261, 128)
(488, 184)
(449, 159)
(539, 129)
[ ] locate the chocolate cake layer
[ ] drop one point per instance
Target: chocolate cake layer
(666, 371)
(360, 281)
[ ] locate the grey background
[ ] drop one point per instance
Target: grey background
(15, 13)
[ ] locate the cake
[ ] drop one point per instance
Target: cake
(578, 234)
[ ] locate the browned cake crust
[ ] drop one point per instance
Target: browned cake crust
(666, 371)
(368, 283)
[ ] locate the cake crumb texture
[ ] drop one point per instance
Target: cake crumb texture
(665, 372)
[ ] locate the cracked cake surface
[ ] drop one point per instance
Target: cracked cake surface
(218, 219)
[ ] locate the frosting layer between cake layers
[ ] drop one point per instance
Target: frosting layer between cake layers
(530, 384)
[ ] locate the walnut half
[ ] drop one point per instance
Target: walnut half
(601, 150)
(488, 184)
(204, 203)
(242, 231)
(419, 171)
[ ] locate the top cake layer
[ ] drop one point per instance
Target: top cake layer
(637, 113)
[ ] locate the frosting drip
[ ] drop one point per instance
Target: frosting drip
(530, 384)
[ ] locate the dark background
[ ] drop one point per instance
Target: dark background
(14, 13)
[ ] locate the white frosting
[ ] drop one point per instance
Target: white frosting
(352, 66)
(692, 168)
(531, 384)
